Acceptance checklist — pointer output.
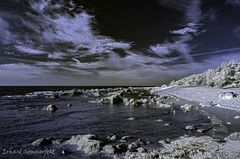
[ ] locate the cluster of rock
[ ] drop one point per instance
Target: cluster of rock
(136, 97)
(227, 75)
(194, 147)
(115, 147)
(90, 144)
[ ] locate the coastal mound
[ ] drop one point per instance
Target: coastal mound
(225, 76)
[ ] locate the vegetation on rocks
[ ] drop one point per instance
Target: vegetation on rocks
(227, 75)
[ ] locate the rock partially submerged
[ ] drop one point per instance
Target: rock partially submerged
(50, 108)
(89, 144)
(114, 99)
(46, 142)
(187, 107)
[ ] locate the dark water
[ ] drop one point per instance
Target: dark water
(23, 121)
(109, 42)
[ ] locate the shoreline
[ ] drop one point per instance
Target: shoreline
(214, 133)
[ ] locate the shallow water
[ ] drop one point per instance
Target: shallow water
(23, 121)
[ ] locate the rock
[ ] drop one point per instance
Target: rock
(141, 150)
(234, 136)
(53, 96)
(173, 111)
(112, 137)
(131, 118)
(126, 137)
(86, 143)
(76, 92)
(140, 142)
(167, 140)
(190, 127)
(64, 152)
(116, 157)
(109, 149)
(227, 95)
(96, 93)
(133, 146)
(50, 108)
(42, 142)
(57, 141)
(193, 148)
(237, 117)
(124, 141)
(115, 99)
(105, 101)
(202, 130)
(136, 103)
(166, 124)
(69, 105)
(121, 147)
(159, 120)
(164, 105)
(186, 107)
(165, 97)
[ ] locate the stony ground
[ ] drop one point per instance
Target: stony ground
(123, 147)
(228, 98)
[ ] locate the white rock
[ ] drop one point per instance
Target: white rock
(159, 120)
(86, 143)
(237, 117)
(226, 95)
(186, 107)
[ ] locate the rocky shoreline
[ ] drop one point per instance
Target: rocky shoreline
(115, 146)
(119, 147)
(208, 140)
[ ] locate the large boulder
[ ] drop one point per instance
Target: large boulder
(114, 99)
(86, 143)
